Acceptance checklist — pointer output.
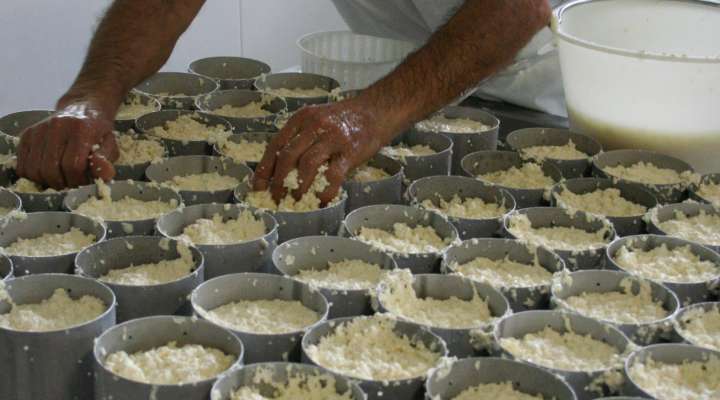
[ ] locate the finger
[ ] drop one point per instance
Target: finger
(100, 161)
(265, 169)
(50, 169)
(309, 165)
(33, 167)
(287, 161)
(23, 153)
(75, 161)
(335, 174)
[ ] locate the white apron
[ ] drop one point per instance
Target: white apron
(534, 80)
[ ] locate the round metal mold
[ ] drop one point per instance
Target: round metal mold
(151, 332)
(586, 384)
(416, 167)
(118, 191)
(62, 359)
(280, 373)
(667, 353)
(35, 202)
(177, 90)
(687, 292)
(404, 389)
(668, 193)
(549, 217)
(484, 162)
(297, 80)
(230, 72)
(6, 268)
(137, 301)
(15, 123)
(238, 98)
(254, 137)
(466, 143)
(603, 281)
(385, 216)
(669, 212)
(434, 188)
(443, 287)
(324, 221)
(164, 171)
(36, 224)
(8, 146)
(136, 172)
(384, 191)
(530, 137)
(521, 298)
(134, 97)
(260, 347)
(9, 201)
(248, 256)
(148, 122)
(709, 179)
(465, 374)
(633, 192)
(315, 252)
(683, 317)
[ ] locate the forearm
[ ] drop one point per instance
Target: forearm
(133, 40)
(479, 40)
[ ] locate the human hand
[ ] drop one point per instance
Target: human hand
(342, 135)
(70, 148)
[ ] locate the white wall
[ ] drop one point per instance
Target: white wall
(44, 41)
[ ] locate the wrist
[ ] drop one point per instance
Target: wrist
(387, 120)
(103, 100)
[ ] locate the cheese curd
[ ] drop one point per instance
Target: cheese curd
(401, 151)
(205, 182)
(343, 275)
(59, 311)
(467, 208)
(244, 150)
(606, 202)
(504, 273)
(298, 387)
(690, 380)
(308, 202)
(251, 110)
(679, 265)
(298, 92)
(567, 151)
(153, 273)
(50, 244)
(703, 228)
(133, 110)
(170, 364)
(441, 123)
(557, 237)
(265, 317)
(135, 151)
(404, 239)
(4, 158)
(24, 185)
(367, 173)
(648, 173)
(494, 391)
(619, 307)
(710, 192)
(369, 348)
(188, 128)
(528, 176)
(4, 211)
(398, 296)
(125, 209)
(701, 327)
(567, 351)
(216, 231)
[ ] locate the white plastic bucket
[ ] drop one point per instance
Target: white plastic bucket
(644, 74)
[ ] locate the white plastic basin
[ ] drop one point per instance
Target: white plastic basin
(644, 74)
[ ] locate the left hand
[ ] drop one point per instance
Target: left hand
(344, 135)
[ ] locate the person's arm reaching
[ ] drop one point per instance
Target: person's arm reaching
(479, 40)
(132, 42)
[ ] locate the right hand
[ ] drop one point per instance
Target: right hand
(70, 148)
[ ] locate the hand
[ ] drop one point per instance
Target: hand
(343, 135)
(69, 148)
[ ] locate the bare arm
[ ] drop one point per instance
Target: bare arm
(480, 39)
(133, 40)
